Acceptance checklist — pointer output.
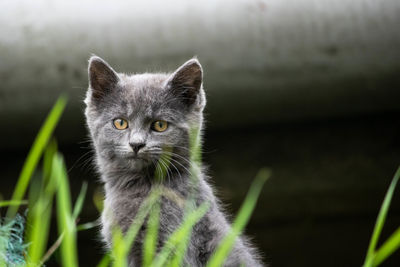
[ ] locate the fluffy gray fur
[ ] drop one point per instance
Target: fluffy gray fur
(128, 177)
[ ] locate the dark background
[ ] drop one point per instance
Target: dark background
(309, 90)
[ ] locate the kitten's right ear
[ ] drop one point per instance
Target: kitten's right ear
(102, 78)
(186, 83)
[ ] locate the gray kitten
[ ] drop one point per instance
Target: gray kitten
(132, 119)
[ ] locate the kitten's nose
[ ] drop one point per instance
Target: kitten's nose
(137, 146)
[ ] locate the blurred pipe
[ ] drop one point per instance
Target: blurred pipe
(264, 61)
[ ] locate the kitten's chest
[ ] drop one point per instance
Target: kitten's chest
(121, 210)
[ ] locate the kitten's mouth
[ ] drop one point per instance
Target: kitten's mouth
(137, 157)
(133, 156)
(136, 162)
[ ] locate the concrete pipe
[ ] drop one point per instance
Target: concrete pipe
(264, 61)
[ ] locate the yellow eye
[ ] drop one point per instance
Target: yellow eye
(159, 126)
(120, 124)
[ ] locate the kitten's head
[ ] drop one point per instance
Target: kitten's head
(133, 118)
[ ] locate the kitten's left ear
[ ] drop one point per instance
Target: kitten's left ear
(186, 83)
(102, 78)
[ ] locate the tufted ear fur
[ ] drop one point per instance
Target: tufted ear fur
(102, 78)
(186, 83)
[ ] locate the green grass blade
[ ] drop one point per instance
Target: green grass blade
(52, 249)
(35, 153)
(180, 234)
(195, 144)
(66, 223)
(222, 251)
(387, 249)
(49, 153)
(98, 200)
(181, 250)
(35, 192)
(87, 226)
(380, 221)
(6, 203)
(49, 181)
(150, 242)
(119, 249)
(39, 229)
(79, 201)
(105, 261)
(40, 207)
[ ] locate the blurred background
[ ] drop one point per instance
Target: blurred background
(307, 88)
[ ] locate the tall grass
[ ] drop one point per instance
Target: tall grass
(35, 153)
(31, 248)
(39, 202)
(51, 181)
(375, 257)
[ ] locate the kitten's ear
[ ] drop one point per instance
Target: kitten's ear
(186, 83)
(102, 78)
